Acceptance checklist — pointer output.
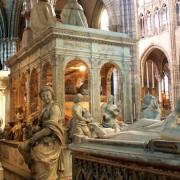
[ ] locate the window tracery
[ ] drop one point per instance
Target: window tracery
(149, 23)
(156, 21)
(104, 20)
(142, 26)
(178, 12)
(164, 19)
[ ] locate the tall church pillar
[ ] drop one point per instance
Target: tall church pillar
(174, 59)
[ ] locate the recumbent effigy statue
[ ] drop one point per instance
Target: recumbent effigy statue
(171, 126)
(43, 151)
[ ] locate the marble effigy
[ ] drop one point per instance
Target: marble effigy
(135, 153)
(150, 108)
(54, 45)
(97, 159)
(171, 126)
(43, 152)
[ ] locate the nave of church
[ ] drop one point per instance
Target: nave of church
(89, 90)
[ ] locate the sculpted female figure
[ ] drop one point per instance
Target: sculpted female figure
(110, 113)
(43, 152)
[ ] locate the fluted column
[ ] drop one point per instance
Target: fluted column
(127, 95)
(58, 80)
(28, 92)
(95, 92)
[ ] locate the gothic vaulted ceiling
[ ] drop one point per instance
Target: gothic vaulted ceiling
(119, 12)
(11, 18)
(92, 9)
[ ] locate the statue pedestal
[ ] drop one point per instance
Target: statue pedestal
(12, 162)
(118, 159)
(1, 172)
(15, 167)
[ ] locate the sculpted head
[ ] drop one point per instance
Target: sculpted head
(47, 94)
(110, 99)
(150, 101)
(147, 100)
(77, 98)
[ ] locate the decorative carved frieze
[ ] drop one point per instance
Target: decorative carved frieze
(95, 169)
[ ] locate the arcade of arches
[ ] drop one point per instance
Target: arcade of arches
(129, 49)
(156, 78)
(156, 70)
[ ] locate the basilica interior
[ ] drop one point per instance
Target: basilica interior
(125, 49)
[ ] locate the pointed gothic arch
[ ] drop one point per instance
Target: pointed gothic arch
(156, 77)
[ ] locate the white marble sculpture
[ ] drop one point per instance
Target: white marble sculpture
(42, 16)
(171, 126)
(150, 108)
(73, 14)
(149, 116)
(110, 112)
(43, 152)
(79, 122)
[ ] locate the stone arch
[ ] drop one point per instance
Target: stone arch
(34, 91)
(47, 74)
(104, 25)
(156, 77)
(76, 80)
(111, 83)
(71, 58)
(149, 49)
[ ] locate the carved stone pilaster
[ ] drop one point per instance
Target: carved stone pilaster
(58, 80)
(28, 91)
(127, 95)
(95, 93)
